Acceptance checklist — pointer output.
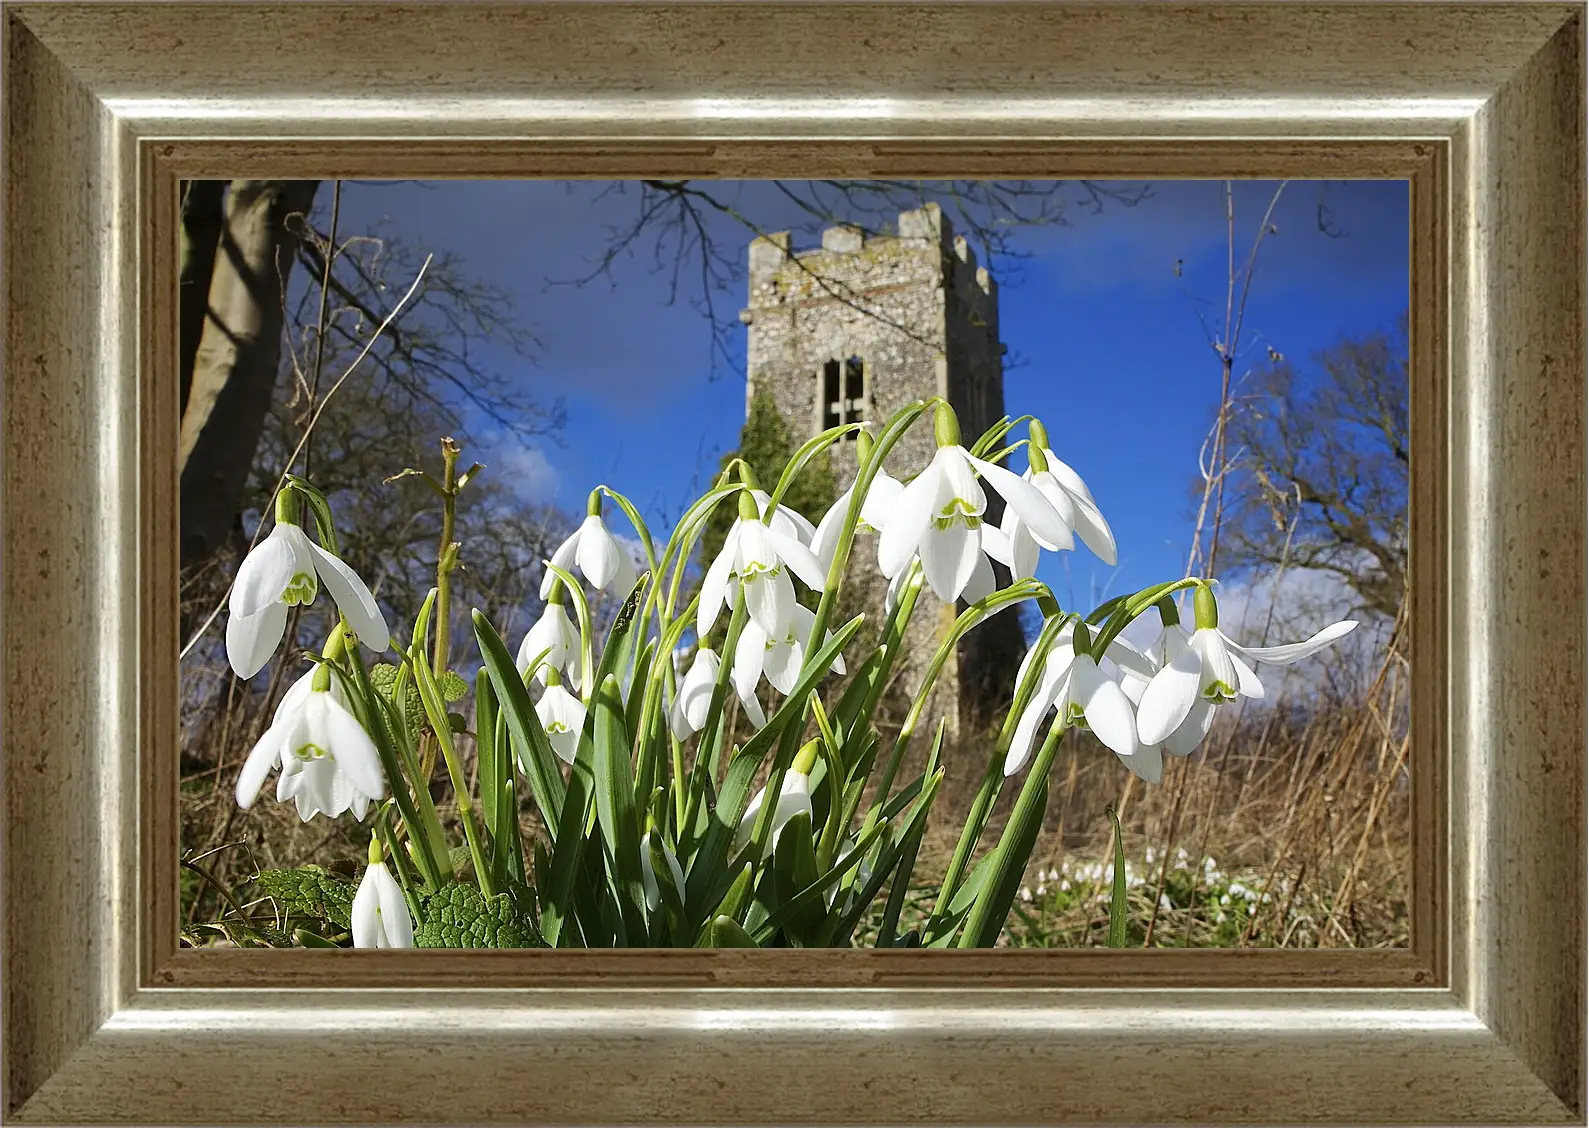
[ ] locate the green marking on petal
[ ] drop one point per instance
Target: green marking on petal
(300, 589)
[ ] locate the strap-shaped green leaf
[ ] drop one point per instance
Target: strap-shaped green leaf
(615, 806)
(540, 764)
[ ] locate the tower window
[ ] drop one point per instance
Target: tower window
(844, 392)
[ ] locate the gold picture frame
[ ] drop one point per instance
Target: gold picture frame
(1480, 107)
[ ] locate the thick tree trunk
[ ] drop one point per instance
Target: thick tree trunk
(202, 212)
(237, 356)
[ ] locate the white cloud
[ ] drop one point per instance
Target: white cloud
(528, 473)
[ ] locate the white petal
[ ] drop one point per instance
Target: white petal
(1147, 763)
(397, 925)
(982, 583)
(799, 559)
(366, 917)
(1247, 683)
(752, 707)
(1035, 510)
(1066, 476)
(825, 541)
(1063, 505)
(749, 654)
(882, 499)
(1106, 707)
(911, 519)
(1169, 695)
(353, 599)
(598, 553)
(1094, 531)
(564, 558)
(715, 583)
(1185, 739)
(264, 756)
(252, 639)
(1129, 658)
(1025, 734)
(1023, 551)
(350, 745)
(961, 483)
(1296, 651)
(1217, 666)
(770, 601)
(782, 661)
(265, 573)
(948, 557)
(695, 695)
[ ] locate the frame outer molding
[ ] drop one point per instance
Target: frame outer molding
(85, 1038)
(1518, 490)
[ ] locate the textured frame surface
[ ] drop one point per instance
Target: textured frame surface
(1479, 107)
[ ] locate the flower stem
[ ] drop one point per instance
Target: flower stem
(446, 553)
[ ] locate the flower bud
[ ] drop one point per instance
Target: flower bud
(945, 426)
(805, 759)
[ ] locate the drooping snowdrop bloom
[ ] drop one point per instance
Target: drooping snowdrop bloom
(603, 562)
(380, 915)
(648, 873)
(328, 762)
(779, 657)
(759, 558)
(939, 515)
(562, 715)
(555, 634)
(1209, 668)
(285, 570)
(881, 498)
(788, 521)
(694, 697)
(1086, 697)
(794, 798)
(1172, 641)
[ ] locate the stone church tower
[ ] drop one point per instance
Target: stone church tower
(855, 330)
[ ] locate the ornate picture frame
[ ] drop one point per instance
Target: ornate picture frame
(1480, 107)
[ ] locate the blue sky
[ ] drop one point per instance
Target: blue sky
(1111, 352)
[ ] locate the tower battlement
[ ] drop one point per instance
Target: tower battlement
(856, 328)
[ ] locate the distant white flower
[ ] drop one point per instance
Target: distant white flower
(380, 915)
(759, 558)
(1086, 697)
(939, 516)
(555, 634)
(604, 563)
(285, 570)
(794, 798)
(328, 762)
(562, 715)
(648, 873)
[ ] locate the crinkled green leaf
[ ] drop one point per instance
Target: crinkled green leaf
(453, 687)
(457, 916)
(311, 892)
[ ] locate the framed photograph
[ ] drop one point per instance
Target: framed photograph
(394, 558)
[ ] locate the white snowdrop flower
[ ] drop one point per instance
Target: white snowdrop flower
(758, 559)
(1073, 683)
(938, 516)
(1026, 894)
(794, 798)
(555, 635)
(605, 564)
(380, 915)
(694, 698)
(328, 762)
(285, 570)
(562, 716)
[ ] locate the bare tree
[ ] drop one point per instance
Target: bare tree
(1326, 447)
